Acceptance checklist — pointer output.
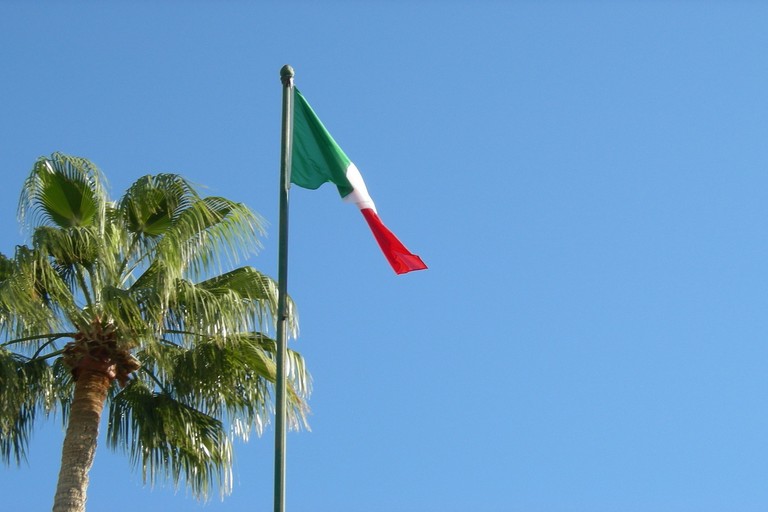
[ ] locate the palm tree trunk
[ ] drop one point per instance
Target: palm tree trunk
(79, 447)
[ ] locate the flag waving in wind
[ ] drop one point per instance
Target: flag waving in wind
(316, 159)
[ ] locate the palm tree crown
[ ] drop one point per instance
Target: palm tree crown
(126, 304)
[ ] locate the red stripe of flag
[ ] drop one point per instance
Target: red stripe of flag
(401, 259)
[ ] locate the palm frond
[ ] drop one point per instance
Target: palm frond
(27, 388)
(298, 382)
(241, 300)
(228, 372)
(232, 377)
(6, 267)
(249, 285)
(209, 232)
(63, 191)
(127, 313)
(70, 246)
(34, 298)
(63, 388)
(169, 440)
(151, 204)
(73, 252)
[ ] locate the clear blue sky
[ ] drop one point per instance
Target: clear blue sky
(588, 182)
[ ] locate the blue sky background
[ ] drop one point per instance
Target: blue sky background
(588, 182)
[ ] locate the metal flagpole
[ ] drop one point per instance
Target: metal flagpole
(286, 77)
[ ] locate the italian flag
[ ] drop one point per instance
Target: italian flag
(316, 159)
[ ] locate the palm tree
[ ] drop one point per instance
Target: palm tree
(124, 304)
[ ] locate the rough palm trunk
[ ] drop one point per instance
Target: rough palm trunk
(80, 440)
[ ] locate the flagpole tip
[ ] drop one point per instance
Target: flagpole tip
(286, 73)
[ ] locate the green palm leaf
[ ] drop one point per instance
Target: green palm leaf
(152, 202)
(27, 389)
(34, 298)
(240, 300)
(208, 233)
(169, 439)
(64, 191)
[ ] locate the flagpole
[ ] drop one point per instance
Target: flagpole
(286, 77)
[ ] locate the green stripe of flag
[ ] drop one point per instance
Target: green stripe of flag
(316, 157)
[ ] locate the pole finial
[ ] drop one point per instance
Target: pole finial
(286, 74)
